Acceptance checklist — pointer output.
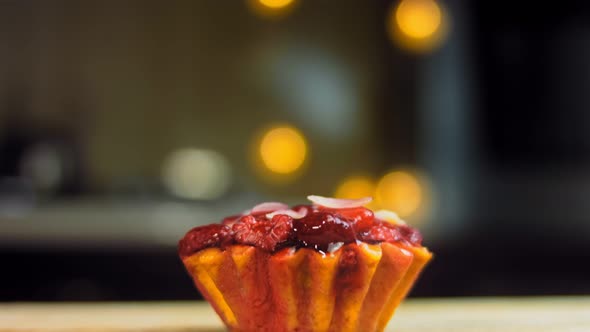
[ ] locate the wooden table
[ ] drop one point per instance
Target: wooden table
(542, 314)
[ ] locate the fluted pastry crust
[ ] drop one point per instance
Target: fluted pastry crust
(355, 288)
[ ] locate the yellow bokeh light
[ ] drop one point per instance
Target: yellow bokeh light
(418, 18)
(400, 192)
(283, 150)
(275, 4)
(356, 187)
(272, 9)
(418, 25)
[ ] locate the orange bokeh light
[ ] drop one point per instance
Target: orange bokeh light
(400, 192)
(283, 150)
(417, 25)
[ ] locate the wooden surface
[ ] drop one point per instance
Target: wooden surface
(563, 314)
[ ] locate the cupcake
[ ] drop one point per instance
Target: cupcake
(332, 265)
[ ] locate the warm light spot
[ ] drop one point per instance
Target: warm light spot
(283, 150)
(275, 4)
(355, 187)
(419, 25)
(400, 192)
(418, 18)
(196, 174)
(271, 9)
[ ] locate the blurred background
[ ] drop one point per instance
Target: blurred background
(125, 123)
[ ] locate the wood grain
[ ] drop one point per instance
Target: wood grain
(539, 314)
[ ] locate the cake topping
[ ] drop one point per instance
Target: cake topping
(269, 207)
(389, 216)
(322, 226)
(320, 229)
(302, 212)
(337, 203)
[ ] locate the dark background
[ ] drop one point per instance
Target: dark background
(494, 115)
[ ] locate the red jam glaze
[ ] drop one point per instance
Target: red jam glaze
(318, 229)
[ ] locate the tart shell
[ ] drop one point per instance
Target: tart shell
(354, 288)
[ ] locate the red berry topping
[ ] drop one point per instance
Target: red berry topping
(265, 234)
(381, 232)
(199, 238)
(361, 218)
(282, 229)
(320, 229)
(411, 235)
(230, 220)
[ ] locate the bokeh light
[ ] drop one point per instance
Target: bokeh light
(418, 18)
(283, 150)
(356, 187)
(401, 192)
(196, 174)
(418, 25)
(275, 4)
(271, 8)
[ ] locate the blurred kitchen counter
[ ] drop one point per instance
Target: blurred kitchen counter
(539, 314)
(108, 222)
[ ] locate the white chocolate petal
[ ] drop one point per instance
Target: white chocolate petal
(269, 207)
(390, 217)
(337, 203)
(291, 213)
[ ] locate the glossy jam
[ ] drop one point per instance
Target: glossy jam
(319, 229)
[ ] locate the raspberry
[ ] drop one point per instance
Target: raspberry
(411, 235)
(381, 232)
(282, 228)
(203, 237)
(264, 234)
(230, 220)
(248, 220)
(245, 233)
